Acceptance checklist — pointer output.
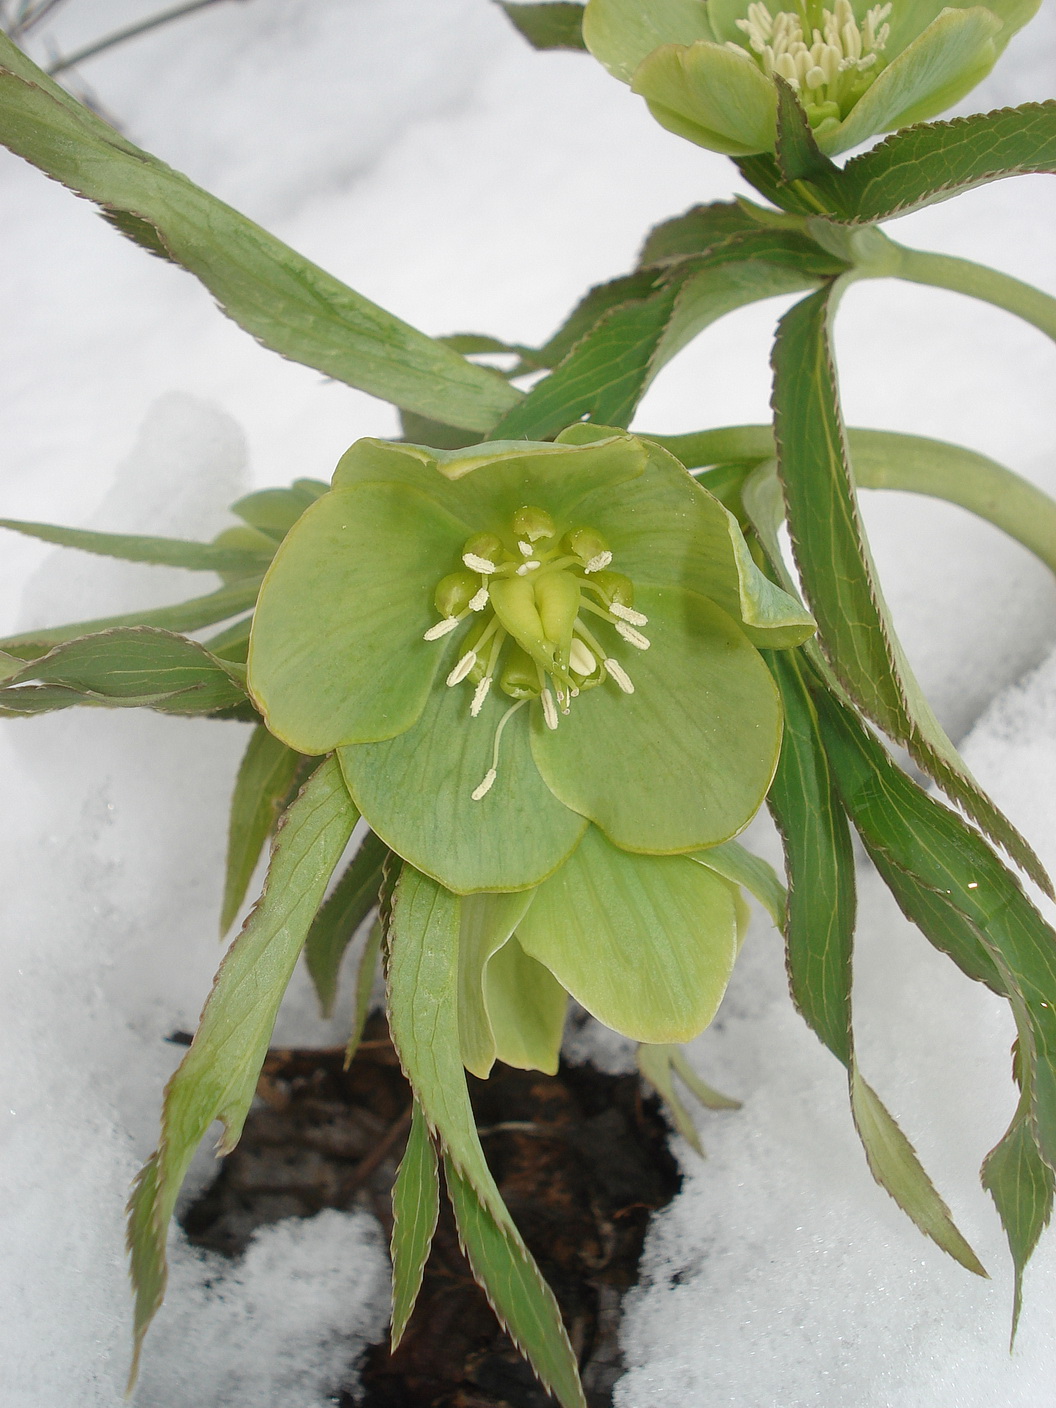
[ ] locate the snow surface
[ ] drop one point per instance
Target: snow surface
(418, 149)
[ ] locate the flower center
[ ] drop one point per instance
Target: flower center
(529, 593)
(826, 55)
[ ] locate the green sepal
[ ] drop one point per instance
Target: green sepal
(487, 922)
(526, 1008)
(644, 943)
(741, 867)
(702, 693)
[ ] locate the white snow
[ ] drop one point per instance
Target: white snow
(419, 150)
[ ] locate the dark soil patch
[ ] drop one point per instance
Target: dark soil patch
(581, 1159)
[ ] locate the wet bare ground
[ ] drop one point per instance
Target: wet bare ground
(581, 1159)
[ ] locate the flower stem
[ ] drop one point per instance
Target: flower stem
(920, 266)
(885, 460)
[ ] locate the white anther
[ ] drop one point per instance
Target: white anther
(581, 659)
(620, 675)
(815, 78)
(599, 561)
(479, 601)
(482, 565)
(479, 696)
(479, 793)
(549, 709)
(442, 628)
(631, 636)
(462, 669)
(527, 567)
(526, 548)
(634, 618)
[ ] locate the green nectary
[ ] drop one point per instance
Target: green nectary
(706, 68)
(482, 744)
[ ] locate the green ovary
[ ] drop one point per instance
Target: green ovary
(538, 603)
(825, 55)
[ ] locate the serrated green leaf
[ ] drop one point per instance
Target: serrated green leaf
(1022, 1186)
(916, 836)
(264, 779)
(168, 552)
(512, 1282)
(937, 160)
(218, 1077)
(604, 374)
(185, 616)
(819, 938)
(551, 24)
(421, 430)
(137, 666)
(730, 859)
(282, 299)
(273, 512)
(415, 1209)
(895, 1166)
(422, 972)
(798, 155)
(697, 231)
(334, 927)
(837, 572)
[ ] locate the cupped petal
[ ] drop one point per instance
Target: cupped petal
(938, 68)
(416, 793)
(686, 760)
(485, 925)
(620, 33)
(711, 95)
(484, 484)
(526, 1008)
(665, 529)
(336, 653)
(645, 943)
(912, 18)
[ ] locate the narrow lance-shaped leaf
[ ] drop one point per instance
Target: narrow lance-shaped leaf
(131, 668)
(334, 927)
(415, 1209)
(837, 572)
(282, 299)
(819, 946)
(264, 779)
(937, 160)
(975, 900)
(186, 616)
(218, 1077)
(129, 547)
(521, 1299)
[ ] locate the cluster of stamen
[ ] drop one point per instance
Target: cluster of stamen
(826, 55)
(527, 597)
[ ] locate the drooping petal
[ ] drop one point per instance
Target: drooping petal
(526, 1008)
(620, 33)
(683, 762)
(486, 923)
(940, 66)
(416, 793)
(710, 95)
(334, 654)
(645, 943)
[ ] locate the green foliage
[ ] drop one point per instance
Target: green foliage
(549, 25)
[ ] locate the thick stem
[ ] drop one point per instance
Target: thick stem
(883, 459)
(919, 266)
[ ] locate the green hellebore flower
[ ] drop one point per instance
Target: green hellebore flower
(705, 67)
(468, 630)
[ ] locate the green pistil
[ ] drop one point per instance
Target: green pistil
(527, 590)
